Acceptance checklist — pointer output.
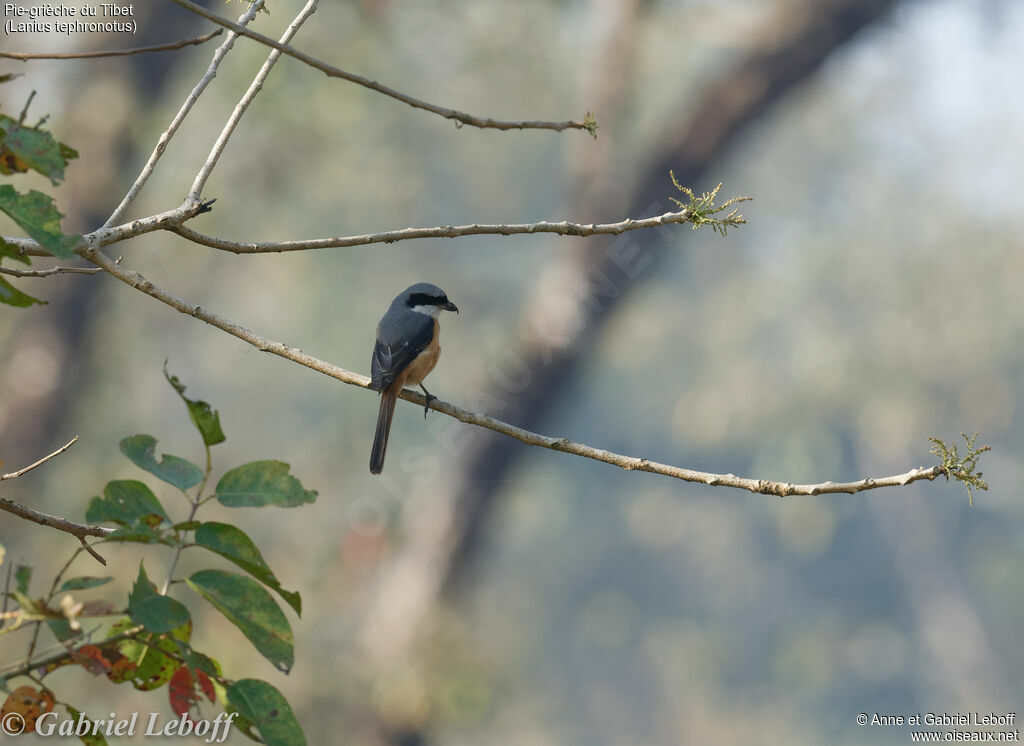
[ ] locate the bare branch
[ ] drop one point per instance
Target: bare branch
(49, 272)
(107, 235)
(254, 88)
(563, 228)
(40, 462)
(25, 56)
(78, 530)
(630, 463)
(460, 118)
(174, 220)
(186, 107)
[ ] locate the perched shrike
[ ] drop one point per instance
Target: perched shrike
(407, 350)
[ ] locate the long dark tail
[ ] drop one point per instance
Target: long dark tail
(380, 438)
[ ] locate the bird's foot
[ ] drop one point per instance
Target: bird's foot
(426, 404)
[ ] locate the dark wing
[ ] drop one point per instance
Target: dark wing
(400, 338)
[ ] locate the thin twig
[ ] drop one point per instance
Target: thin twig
(564, 228)
(78, 530)
(24, 112)
(254, 88)
(49, 272)
(25, 56)
(630, 463)
(53, 590)
(460, 118)
(40, 462)
(186, 107)
(174, 220)
(25, 668)
(108, 235)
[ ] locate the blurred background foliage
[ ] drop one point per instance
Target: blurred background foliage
(872, 301)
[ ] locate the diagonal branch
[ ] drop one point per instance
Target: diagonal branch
(25, 56)
(563, 228)
(254, 88)
(460, 118)
(40, 462)
(186, 107)
(78, 530)
(25, 668)
(630, 463)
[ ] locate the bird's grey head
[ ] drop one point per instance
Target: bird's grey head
(426, 298)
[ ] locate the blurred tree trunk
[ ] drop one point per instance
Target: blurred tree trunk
(442, 525)
(56, 336)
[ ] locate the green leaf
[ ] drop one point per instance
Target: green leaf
(83, 583)
(11, 252)
(126, 501)
(206, 420)
(141, 449)
(11, 296)
(232, 543)
(141, 532)
(38, 216)
(154, 656)
(260, 483)
(250, 608)
(89, 739)
(61, 629)
(154, 612)
(34, 148)
(268, 710)
(187, 525)
(22, 576)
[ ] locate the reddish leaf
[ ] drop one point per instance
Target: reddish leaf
(207, 686)
(91, 659)
(29, 703)
(182, 692)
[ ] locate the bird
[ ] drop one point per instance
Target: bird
(406, 350)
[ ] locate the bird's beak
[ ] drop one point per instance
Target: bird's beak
(449, 306)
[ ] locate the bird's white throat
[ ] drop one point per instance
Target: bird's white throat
(431, 311)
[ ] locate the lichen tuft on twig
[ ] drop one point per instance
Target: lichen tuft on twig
(703, 209)
(962, 469)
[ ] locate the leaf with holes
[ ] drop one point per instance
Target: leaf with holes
(148, 661)
(183, 693)
(249, 607)
(23, 707)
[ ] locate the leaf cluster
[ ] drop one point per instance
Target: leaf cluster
(149, 643)
(26, 148)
